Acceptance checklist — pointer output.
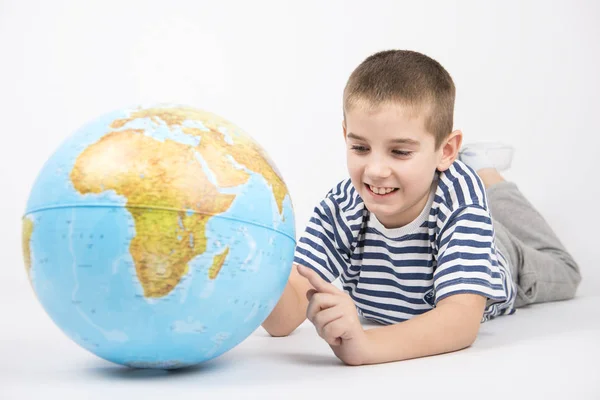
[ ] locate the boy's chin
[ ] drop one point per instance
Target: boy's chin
(382, 212)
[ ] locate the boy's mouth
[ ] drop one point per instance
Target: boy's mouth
(380, 191)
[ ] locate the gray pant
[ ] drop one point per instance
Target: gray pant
(540, 265)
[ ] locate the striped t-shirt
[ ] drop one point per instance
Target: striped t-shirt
(395, 274)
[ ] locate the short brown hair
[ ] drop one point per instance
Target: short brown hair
(409, 78)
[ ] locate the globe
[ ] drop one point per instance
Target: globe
(158, 237)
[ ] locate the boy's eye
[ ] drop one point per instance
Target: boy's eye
(359, 149)
(402, 153)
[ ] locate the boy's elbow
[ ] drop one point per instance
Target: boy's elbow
(464, 339)
(277, 325)
(465, 311)
(279, 334)
(471, 330)
(470, 338)
(278, 331)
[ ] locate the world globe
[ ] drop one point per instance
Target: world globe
(158, 237)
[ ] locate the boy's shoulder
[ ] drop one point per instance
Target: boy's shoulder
(459, 186)
(343, 197)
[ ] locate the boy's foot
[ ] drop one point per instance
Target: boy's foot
(486, 155)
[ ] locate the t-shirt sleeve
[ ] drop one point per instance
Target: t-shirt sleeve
(467, 260)
(326, 242)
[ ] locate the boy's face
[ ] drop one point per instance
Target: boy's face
(392, 161)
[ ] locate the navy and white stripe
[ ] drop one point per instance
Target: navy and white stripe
(395, 274)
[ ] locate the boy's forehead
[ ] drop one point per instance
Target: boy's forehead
(404, 109)
(392, 117)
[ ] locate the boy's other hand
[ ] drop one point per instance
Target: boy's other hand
(334, 316)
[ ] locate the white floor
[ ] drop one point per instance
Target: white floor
(546, 351)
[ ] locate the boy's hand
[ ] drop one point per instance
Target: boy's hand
(334, 315)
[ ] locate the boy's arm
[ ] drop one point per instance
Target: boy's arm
(452, 325)
(290, 310)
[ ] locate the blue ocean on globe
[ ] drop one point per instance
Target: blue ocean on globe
(158, 237)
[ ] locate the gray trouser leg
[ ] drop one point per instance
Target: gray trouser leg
(541, 267)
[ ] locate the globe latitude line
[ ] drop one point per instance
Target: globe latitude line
(161, 208)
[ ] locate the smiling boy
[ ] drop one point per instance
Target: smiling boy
(410, 233)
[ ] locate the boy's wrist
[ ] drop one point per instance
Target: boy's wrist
(385, 344)
(374, 352)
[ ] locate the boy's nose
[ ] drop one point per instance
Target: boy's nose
(377, 170)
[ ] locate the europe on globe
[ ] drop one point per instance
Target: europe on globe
(158, 237)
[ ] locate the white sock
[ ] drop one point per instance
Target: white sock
(487, 155)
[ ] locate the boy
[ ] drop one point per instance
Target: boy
(410, 233)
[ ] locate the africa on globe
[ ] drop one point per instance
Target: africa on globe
(158, 237)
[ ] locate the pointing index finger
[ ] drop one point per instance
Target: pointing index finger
(316, 281)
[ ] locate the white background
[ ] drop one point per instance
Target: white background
(527, 73)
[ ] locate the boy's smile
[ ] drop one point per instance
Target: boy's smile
(391, 160)
(381, 192)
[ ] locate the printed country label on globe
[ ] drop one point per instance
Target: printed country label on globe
(159, 237)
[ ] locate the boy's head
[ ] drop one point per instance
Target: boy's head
(407, 78)
(398, 117)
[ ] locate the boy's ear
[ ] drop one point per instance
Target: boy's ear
(344, 128)
(449, 150)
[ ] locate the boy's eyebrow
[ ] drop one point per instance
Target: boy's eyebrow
(399, 140)
(356, 137)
